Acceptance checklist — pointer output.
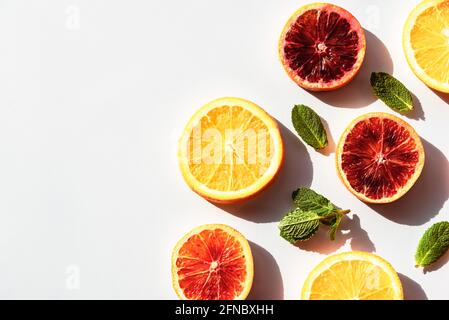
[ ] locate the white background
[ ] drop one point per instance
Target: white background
(93, 98)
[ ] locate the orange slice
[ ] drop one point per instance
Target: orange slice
(353, 276)
(379, 157)
(322, 47)
(426, 43)
(212, 262)
(230, 150)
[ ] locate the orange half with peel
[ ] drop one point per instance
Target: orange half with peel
(426, 43)
(230, 150)
(379, 157)
(322, 47)
(212, 262)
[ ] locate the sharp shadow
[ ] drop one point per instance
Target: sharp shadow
(438, 264)
(267, 283)
(418, 112)
(412, 290)
(443, 96)
(427, 197)
(274, 202)
(358, 92)
(350, 230)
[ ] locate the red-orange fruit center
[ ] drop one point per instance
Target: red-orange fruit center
(379, 157)
(321, 46)
(211, 266)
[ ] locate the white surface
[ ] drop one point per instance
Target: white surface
(93, 97)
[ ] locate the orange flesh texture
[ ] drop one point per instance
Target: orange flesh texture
(353, 280)
(237, 149)
(430, 41)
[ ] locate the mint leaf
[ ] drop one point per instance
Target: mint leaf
(309, 126)
(433, 244)
(308, 200)
(392, 92)
(312, 210)
(299, 225)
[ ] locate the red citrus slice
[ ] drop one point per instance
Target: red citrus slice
(212, 262)
(322, 47)
(379, 157)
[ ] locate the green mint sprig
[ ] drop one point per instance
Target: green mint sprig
(433, 244)
(312, 210)
(392, 92)
(309, 126)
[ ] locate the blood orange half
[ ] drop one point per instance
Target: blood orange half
(379, 157)
(322, 47)
(212, 262)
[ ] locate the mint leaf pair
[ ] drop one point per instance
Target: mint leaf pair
(312, 211)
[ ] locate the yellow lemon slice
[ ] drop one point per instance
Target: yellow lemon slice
(353, 276)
